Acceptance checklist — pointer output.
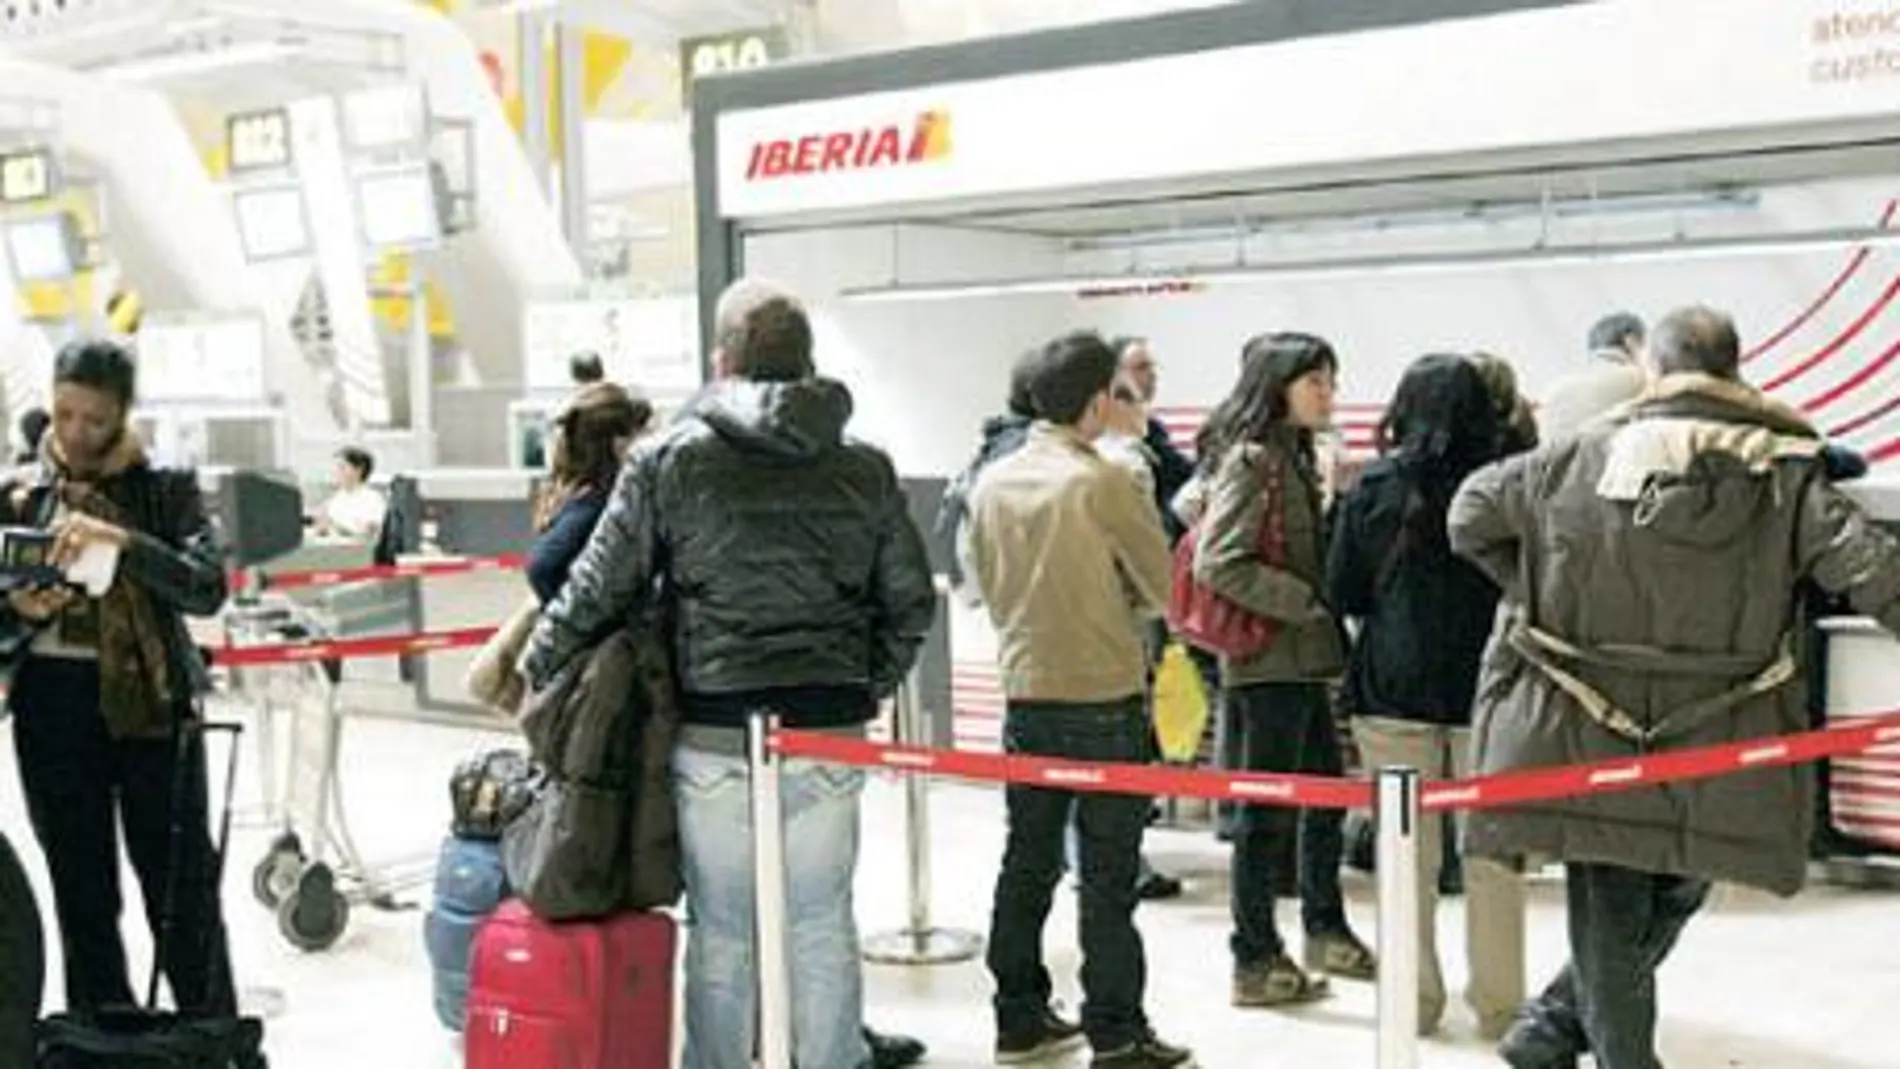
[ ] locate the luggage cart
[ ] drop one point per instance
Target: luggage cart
(313, 871)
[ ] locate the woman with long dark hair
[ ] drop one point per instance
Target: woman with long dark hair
(1425, 616)
(1258, 458)
(590, 441)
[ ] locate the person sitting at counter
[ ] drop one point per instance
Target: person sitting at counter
(357, 509)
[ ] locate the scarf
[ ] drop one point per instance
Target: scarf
(136, 689)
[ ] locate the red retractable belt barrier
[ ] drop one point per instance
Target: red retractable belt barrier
(1545, 784)
(344, 649)
(1313, 792)
(418, 570)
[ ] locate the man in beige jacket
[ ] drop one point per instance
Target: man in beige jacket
(1064, 547)
(1614, 378)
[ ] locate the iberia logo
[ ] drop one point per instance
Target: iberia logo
(926, 139)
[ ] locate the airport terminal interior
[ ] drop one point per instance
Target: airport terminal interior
(365, 254)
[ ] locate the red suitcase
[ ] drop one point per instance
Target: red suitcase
(576, 995)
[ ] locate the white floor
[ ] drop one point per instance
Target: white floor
(1810, 984)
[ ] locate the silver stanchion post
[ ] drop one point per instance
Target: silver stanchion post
(920, 943)
(1396, 814)
(768, 870)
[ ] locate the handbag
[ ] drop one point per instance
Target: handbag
(1204, 618)
(492, 677)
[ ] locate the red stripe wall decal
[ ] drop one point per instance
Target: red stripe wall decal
(1828, 351)
(1855, 381)
(1359, 419)
(1864, 419)
(1854, 264)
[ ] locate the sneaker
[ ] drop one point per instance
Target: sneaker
(1148, 1052)
(1341, 954)
(893, 1051)
(1528, 1044)
(1045, 1039)
(1276, 982)
(1156, 887)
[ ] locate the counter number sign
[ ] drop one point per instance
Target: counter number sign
(26, 175)
(725, 53)
(258, 140)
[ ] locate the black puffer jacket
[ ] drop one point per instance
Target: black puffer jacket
(791, 571)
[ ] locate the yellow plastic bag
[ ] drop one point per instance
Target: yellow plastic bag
(1180, 706)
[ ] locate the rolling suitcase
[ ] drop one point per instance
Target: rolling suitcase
(575, 995)
(470, 884)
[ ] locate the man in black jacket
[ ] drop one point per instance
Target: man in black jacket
(784, 556)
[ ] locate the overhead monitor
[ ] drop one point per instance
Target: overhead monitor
(209, 359)
(650, 343)
(45, 248)
(258, 140)
(271, 222)
(398, 208)
(389, 117)
(27, 175)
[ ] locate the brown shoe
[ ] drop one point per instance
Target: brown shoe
(1276, 982)
(1341, 954)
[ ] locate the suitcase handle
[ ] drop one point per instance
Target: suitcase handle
(185, 729)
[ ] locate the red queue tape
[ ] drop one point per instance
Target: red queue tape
(1313, 792)
(345, 649)
(417, 570)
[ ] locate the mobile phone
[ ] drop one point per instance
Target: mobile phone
(26, 559)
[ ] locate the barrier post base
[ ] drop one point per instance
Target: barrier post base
(929, 946)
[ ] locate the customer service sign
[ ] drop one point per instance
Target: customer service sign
(1616, 72)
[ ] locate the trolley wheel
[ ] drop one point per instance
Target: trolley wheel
(312, 917)
(276, 876)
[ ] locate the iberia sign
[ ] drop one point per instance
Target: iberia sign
(926, 139)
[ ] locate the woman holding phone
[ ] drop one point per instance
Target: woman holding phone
(103, 685)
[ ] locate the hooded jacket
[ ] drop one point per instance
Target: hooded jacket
(1002, 435)
(787, 570)
(1650, 570)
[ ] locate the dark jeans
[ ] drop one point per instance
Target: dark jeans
(1114, 970)
(1623, 924)
(1285, 727)
(81, 786)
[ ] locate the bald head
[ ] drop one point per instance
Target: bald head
(1697, 339)
(761, 333)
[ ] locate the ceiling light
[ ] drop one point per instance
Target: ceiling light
(1191, 278)
(166, 65)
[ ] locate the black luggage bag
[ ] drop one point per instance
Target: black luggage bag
(146, 1038)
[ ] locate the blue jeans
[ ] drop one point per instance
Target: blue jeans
(820, 807)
